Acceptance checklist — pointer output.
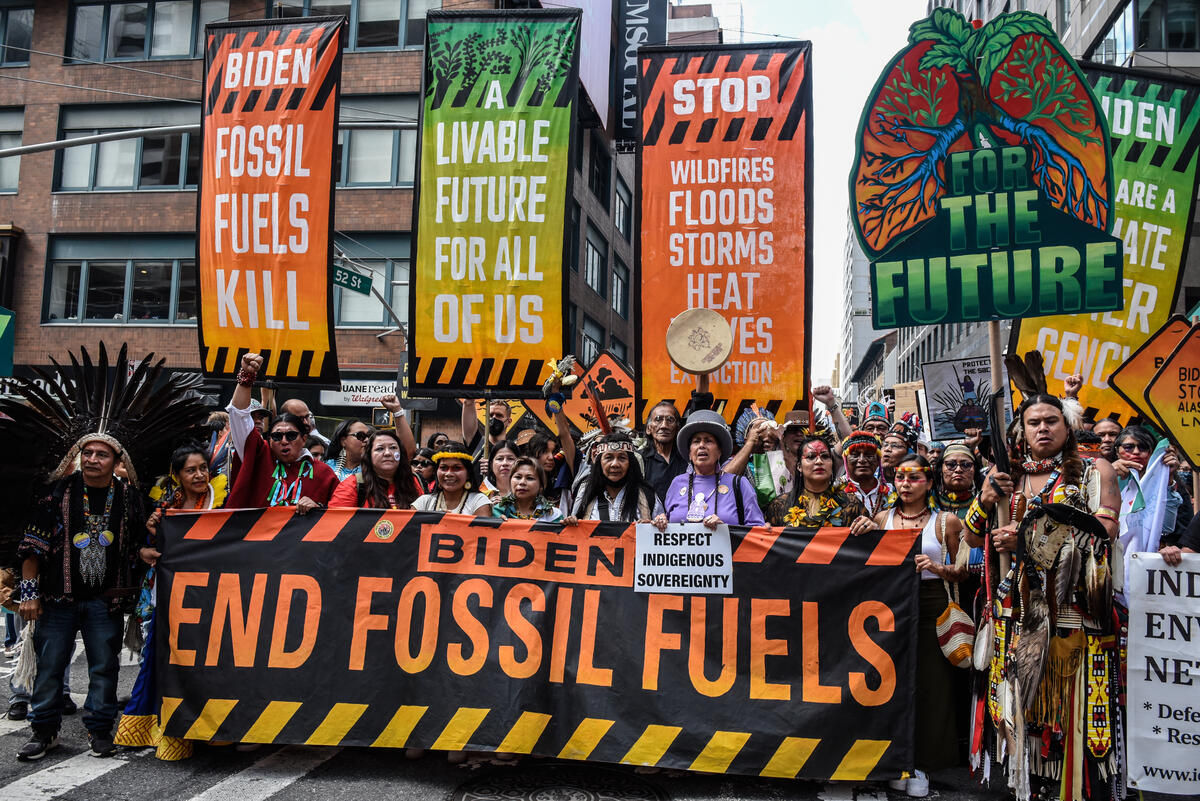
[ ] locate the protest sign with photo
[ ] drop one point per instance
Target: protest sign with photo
(399, 628)
(1163, 671)
(958, 394)
(982, 185)
(725, 179)
(1154, 120)
(488, 299)
(264, 238)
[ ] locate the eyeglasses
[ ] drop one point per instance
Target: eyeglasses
(1130, 447)
(958, 467)
(423, 463)
(361, 436)
(279, 436)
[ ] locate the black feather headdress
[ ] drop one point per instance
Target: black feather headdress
(134, 411)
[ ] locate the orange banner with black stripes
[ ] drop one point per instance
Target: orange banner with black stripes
(264, 241)
(725, 187)
(417, 629)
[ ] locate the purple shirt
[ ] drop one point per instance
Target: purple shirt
(725, 505)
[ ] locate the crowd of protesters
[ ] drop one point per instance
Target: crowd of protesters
(977, 511)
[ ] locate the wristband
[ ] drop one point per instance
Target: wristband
(976, 519)
(245, 378)
(554, 402)
(29, 589)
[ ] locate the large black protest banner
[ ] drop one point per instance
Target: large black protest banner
(398, 628)
(639, 22)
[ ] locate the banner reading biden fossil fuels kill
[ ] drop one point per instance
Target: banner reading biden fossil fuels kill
(725, 186)
(774, 652)
(264, 240)
(982, 186)
(1155, 125)
(488, 300)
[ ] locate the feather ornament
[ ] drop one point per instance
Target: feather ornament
(1029, 655)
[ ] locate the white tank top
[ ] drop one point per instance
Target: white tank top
(929, 541)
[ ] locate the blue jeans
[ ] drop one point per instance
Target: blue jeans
(54, 640)
(16, 693)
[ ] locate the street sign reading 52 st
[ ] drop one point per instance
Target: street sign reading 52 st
(355, 282)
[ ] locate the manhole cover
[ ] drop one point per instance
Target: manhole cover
(556, 782)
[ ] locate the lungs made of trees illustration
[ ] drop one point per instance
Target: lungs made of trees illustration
(961, 87)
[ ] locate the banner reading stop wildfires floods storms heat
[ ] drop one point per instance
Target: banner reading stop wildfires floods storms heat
(488, 305)
(725, 181)
(264, 242)
(773, 652)
(1155, 124)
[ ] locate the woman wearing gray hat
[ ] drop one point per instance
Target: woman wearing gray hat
(705, 493)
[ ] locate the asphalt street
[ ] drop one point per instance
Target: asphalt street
(359, 774)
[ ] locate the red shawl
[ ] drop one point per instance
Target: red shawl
(252, 486)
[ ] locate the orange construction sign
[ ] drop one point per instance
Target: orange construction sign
(1131, 379)
(1174, 394)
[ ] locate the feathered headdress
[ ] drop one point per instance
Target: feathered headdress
(69, 406)
(1029, 376)
(741, 426)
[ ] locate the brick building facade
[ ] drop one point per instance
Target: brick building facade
(107, 240)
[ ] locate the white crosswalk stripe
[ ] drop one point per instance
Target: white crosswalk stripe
(269, 775)
(67, 775)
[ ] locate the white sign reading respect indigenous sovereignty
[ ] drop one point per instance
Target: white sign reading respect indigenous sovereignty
(1164, 674)
(263, 243)
(687, 557)
(487, 302)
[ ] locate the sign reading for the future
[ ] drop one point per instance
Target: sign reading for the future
(982, 184)
(1164, 674)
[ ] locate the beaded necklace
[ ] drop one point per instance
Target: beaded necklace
(288, 494)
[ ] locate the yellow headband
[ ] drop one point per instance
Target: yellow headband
(466, 457)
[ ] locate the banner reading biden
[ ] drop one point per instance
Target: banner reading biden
(264, 240)
(982, 184)
(1155, 121)
(725, 182)
(488, 303)
(774, 652)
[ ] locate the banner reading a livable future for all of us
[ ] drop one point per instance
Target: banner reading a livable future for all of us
(264, 228)
(488, 303)
(774, 652)
(725, 181)
(1154, 121)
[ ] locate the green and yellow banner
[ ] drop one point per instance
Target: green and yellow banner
(1155, 125)
(487, 306)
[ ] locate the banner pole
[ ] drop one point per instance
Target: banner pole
(998, 386)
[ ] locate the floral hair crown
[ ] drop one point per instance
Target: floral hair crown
(466, 457)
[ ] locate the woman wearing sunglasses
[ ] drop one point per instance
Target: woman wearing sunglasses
(346, 448)
(936, 740)
(425, 470)
(276, 470)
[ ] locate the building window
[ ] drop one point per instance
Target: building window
(152, 162)
(12, 122)
(593, 340)
(600, 174)
(16, 35)
(1168, 24)
(377, 156)
(623, 210)
(619, 349)
(576, 222)
(373, 24)
(124, 292)
(595, 261)
(1117, 45)
(155, 29)
(620, 289)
